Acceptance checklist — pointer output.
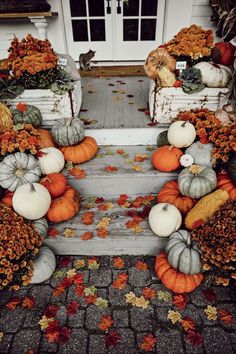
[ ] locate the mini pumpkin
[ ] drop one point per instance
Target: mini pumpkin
(174, 280)
(45, 139)
(18, 169)
(183, 253)
(41, 227)
(6, 121)
(55, 184)
(201, 153)
(65, 206)
(31, 200)
(51, 160)
(170, 193)
(224, 182)
(196, 181)
(82, 152)
(156, 59)
(44, 265)
(24, 113)
(68, 131)
(181, 134)
(164, 219)
(214, 75)
(166, 158)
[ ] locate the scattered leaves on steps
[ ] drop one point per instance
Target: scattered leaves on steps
(87, 218)
(118, 263)
(180, 301)
(211, 313)
(120, 281)
(86, 236)
(105, 323)
(148, 343)
(141, 265)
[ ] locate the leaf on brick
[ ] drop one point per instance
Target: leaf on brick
(188, 324)
(105, 323)
(180, 301)
(225, 316)
(28, 302)
(141, 265)
(118, 263)
(148, 343)
(112, 339)
(195, 338)
(149, 293)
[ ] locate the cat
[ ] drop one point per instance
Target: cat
(85, 60)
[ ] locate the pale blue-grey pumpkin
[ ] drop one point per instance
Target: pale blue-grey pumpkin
(30, 115)
(68, 131)
(201, 153)
(41, 226)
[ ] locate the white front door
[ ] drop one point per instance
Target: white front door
(118, 30)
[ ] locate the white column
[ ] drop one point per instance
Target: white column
(40, 23)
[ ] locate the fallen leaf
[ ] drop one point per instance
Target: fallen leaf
(1, 336)
(13, 303)
(64, 261)
(188, 324)
(44, 322)
(86, 236)
(180, 301)
(64, 335)
(111, 169)
(52, 331)
(225, 316)
(141, 265)
(71, 273)
(141, 302)
(137, 168)
(90, 290)
(87, 218)
(72, 308)
(164, 295)
(209, 294)
(174, 316)
(120, 281)
(120, 151)
(118, 263)
(122, 200)
(28, 302)
(195, 338)
(99, 200)
(91, 299)
(141, 157)
(102, 232)
(69, 233)
(58, 290)
(211, 313)
(78, 279)
(149, 293)
(52, 232)
(130, 298)
(105, 323)
(101, 303)
(31, 351)
(112, 339)
(77, 172)
(148, 343)
(79, 290)
(51, 311)
(104, 222)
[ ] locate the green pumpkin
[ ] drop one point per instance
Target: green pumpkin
(41, 227)
(68, 131)
(162, 139)
(231, 168)
(30, 115)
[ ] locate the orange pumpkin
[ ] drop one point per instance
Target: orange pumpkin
(55, 183)
(82, 152)
(170, 193)
(224, 182)
(7, 198)
(166, 158)
(157, 58)
(65, 206)
(45, 139)
(178, 282)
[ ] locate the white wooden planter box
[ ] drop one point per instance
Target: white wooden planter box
(52, 106)
(165, 103)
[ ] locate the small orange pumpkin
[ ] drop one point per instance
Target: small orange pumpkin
(82, 152)
(224, 182)
(45, 139)
(65, 206)
(55, 183)
(170, 193)
(166, 158)
(7, 198)
(174, 280)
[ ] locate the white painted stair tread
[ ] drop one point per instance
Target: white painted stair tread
(121, 240)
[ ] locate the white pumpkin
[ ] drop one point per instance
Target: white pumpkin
(186, 160)
(31, 200)
(164, 219)
(201, 153)
(51, 160)
(181, 134)
(44, 265)
(214, 75)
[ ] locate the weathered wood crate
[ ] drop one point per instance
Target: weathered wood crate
(52, 106)
(165, 103)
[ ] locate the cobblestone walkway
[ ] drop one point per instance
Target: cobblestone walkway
(21, 332)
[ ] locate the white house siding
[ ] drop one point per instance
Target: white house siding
(201, 14)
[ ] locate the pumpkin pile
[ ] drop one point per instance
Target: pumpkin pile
(202, 200)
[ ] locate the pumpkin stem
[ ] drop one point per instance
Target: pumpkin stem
(183, 124)
(188, 241)
(165, 207)
(69, 121)
(32, 188)
(195, 169)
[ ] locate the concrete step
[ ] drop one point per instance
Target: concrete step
(121, 240)
(131, 177)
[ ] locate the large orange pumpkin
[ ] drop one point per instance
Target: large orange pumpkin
(178, 282)
(224, 182)
(55, 183)
(166, 158)
(82, 152)
(45, 139)
(7, 198)
(170, 193)
(65, 206)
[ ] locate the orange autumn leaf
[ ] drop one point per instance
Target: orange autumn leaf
(149, 293)
(13, 303)
(141, 265)
(148, 343)
(102, 232)
(120, 281)
(59, 290)
(226, 316)
(91, 299)
(87, 218)
(28, 302)
(118, 263)
(86, 236)
(77, 172)
(111, 169)
(180, 301)
(188, 324)
(102, 207)
(52, 232)
(120, 151)
(105, 323)
(140, 157)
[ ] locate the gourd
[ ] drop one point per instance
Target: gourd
(6, 121)
(45, 139)
(18, 169)
(41, 227)
(162, 139)
(225, 183)
(7, 198)
(55, 184)
(201, 153)
(51, 160)
(170, 193)
(181, 134)
(231, 168)
(205, 208)
(166, 158)
(82, 152)
(183, 253)
(164, 219)
(223, 53)
(214, 75)
(65, 206)
(196, 181)
(44, 265)
(68, 131)
(174, 280)
(24, 113)
(31, 200)
(156, 59)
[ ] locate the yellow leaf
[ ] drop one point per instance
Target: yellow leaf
(141, 302)
(71, 273)
(69, 233)
(130, 298)
(136, 168)
(80, 263)
(174, 316)
(44, 322)
(211, 313)
(1, 336)
(103, 223)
